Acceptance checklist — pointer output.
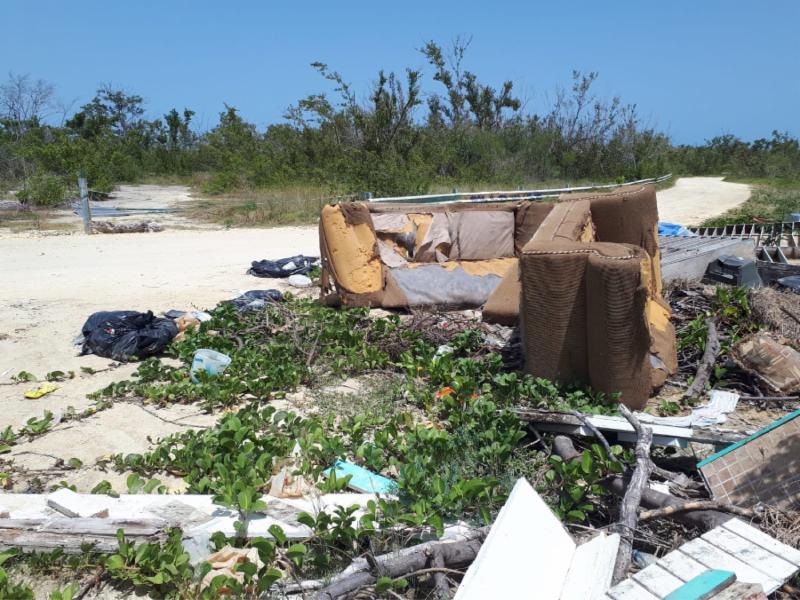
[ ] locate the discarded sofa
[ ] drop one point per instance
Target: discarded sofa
(591, 305)
(415, 255)
(585, 270)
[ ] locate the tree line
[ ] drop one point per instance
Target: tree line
(396, 139)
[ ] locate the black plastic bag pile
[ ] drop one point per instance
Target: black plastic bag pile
(126, 334)
(284, 267)
(255, 299)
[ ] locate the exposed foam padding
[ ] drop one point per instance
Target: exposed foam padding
(351, 252)
(568, 221)
(502, 307)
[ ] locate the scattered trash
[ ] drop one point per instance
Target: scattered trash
(361, 479)
(300, 281)
(210, 361)
(753, 556)
(527, 543)
(226, 562)
(721, 404)
(642, 559)
(761, 468)
(125, 334)
(255, 299)
(74, 505)
(185, 323)
(41, 391)
(774, 362)
(733, 270)
(174, 314)
(673, 229)
(137, 227)
(285, 483)
(791, 283)
(201, 316)
(284, 267)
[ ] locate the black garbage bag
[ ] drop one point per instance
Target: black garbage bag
(294, 265)
(255, 299)
(792, 283)
(126, 334)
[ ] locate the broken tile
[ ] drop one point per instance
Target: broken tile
(71, 504)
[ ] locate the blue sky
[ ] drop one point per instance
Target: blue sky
(695, 69)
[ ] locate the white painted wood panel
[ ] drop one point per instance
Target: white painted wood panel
(630, 590)
(749, 553)
(657, 580)
(592, 568)
(527, 549)
(760, 538)
(682, 566)
(714, 558)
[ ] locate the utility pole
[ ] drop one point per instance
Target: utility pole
(85, 210)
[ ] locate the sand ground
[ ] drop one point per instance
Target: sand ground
(692, 200)
(51, 282)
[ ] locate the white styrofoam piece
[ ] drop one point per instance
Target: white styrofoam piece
(591, 569)
(526, 553)
(71, 504)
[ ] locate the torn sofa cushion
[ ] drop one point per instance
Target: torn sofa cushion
(436, 285)
(567, 222)
(502, 307)
(479, 235)
(527, 219)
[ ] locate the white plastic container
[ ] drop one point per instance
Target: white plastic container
(210, 361)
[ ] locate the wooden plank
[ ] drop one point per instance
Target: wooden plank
(681, 566)
(714, 558)
(526, 546)
(750, 553)
(592, 568)
(703, 586)
(629, 590)
(740, 591)
(657, 580)
(763, 540)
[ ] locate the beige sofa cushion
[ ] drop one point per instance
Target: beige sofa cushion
(480, 235)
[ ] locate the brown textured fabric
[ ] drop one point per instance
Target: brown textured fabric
(626, 216)
(502, 307)
(568, 221)
(527, 219)
(481, 235)
(618, 339)
(553, 310)
(778, 364)
(583, 316)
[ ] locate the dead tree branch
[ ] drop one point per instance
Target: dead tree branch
(596, 432)
(417, 559)
(629, 511)
(706, 366)
(696, 505)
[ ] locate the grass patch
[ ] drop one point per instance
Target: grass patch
(293, 205)
(771, 200)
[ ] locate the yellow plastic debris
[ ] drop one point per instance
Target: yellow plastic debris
(41, 391)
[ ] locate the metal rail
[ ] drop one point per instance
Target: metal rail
(508, 195)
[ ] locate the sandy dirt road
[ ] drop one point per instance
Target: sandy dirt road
(51, 283)
(694, 199)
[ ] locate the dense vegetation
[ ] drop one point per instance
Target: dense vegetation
(413, 132)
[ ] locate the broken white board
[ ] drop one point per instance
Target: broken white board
(526, 554)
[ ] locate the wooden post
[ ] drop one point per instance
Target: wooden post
(86, 211)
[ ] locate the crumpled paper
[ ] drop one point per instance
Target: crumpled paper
(225, 560)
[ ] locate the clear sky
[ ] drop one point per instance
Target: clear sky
(695, 68)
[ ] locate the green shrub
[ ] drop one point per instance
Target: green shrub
(43, 189)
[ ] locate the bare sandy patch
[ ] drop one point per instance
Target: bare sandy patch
(692, 200)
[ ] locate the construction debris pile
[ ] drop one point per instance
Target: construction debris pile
(363, 453)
